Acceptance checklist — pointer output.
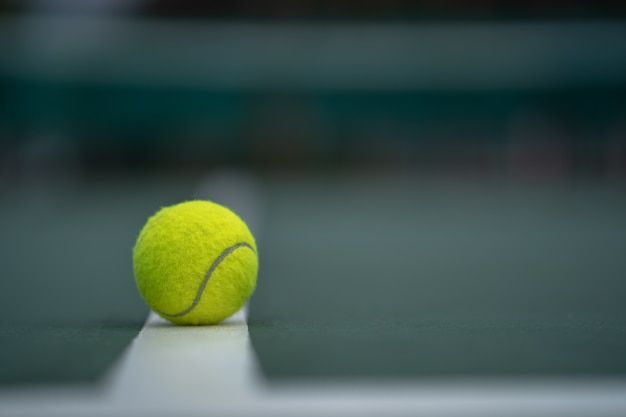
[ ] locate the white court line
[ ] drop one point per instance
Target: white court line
(167, 370)
(202, 370)
(175, 367)
(212, 370)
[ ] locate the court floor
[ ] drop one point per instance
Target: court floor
(377, 295)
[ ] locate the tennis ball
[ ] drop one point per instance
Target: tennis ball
(195, 263)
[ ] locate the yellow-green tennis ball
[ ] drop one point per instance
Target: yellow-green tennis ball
(195, 263)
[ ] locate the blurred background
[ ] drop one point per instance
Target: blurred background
(489, 90)
(110, 109)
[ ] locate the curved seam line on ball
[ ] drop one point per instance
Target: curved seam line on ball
(204, 282)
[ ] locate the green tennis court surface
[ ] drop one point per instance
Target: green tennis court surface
(359, 278)
(404, 278)
(69, 305)
(410, 284)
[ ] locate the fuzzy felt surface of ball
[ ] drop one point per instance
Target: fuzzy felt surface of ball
(195, 263)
